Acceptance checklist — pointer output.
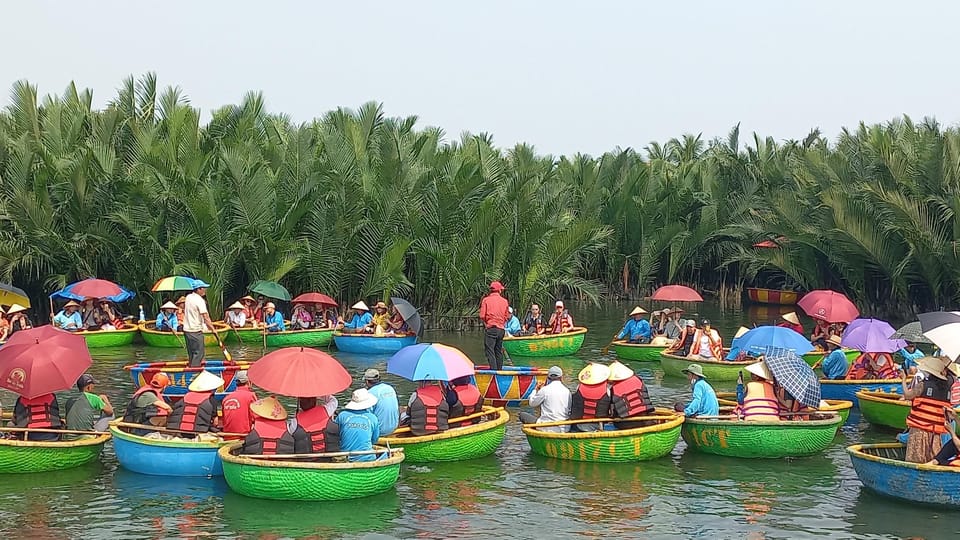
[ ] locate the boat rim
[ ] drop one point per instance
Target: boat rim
(339, 333)
(742, 363)
(577, 331)
(834, 418)
(132, 328)
(673, 419)
(396, 456)
(856, 450)
(179, 366)
(861, 381)
(623, 343)
(880, 396)
(93, 441)
(218, 326)
(118, 433)
(502, 417)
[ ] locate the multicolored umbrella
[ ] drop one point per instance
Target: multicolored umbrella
(270, 289)
(794, 375)
(829, 306)
(42, 360)
(676, 293)
(430, 362)
(314, 298)
(763, 337)
(871, 335)
(911, 332)
(299, 372)
(10, 295)
(943, 328)
(94, 288)
(409, 313)
(173, 283)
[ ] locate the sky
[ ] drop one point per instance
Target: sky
(565, 77)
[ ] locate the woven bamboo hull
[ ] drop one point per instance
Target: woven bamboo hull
(733, 438)
(168, 340)
(772, 296)
(249, 336)
(713, 370)
(181, 375)
(166, 458)
(813, 357)
(308, 481)
(546, 345)
(370, 344)
(34, 457)
(98, 339)
(841, 407)
(883, 409)
(317, 337)
(509, 387)
(638, 352)
(847, 390)
(881, 468)
(640, 444)
(457, 444)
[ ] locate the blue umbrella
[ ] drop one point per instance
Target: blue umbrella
(793, 374)
(430, 362)
(763, 337)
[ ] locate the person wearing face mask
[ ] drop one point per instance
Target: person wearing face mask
(560, 321)
(534, 323)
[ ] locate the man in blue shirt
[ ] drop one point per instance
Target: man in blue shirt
(834, 365)
(273, 319)
(637, 329)
(69, 318)
(910, 355)
(359, 428)
(167, 318)
(387, 409)
(704, 402)
(512, 326)
(361, 320)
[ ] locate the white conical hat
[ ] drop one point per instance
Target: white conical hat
(637, 311)
(741, 331)
(235, 305)
(16, 308)
(619, 372)
(169, 305)
(791, 317)
(360, 305)
(594, 374)
(205, 382)
(760, 369)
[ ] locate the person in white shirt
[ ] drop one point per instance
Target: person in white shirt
(235, 316)
(195, 318)
(553, 398)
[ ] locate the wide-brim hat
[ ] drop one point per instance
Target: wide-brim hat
(16, 308)
(205, 382)
(741, 331)
(619, 372)
(71, 304)
(248, 298)
(169, 305)
(696, 370)
(760, 369)
(381, 305)
(638, 311)
(270, 305)
(361, 399)
(835, 340)
(791, 317)
(934, 365)
(594, 374)
(182, 300)
(954, 368)
(269, 408)
(361, 306)
(235, 305)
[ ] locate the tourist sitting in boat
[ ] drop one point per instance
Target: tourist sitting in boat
(657, 322)
(636, 329)
(270, 435)
(707, 344)
(704, 402)
(910, 354)
(464, 399)
(359, 427)
(167, 318)
(88, 411)
(300, 317)
(672, 328)
(197, 412)
(834, 364)
(17, 319)
(236, 406)
(427, 409)
(873, 365)
(821, 331)
(628, 397)
(560, 321)
(760, 402)
(258, 309)
(330, 319)
(273, 319)
(69, 317)
(929, 391)
(791, 321)
(4, 325)
(362, 320)
(315, 417)
(41, 412)
(396, 325)
(512, 327)
(235, 316)
(684, 342)
(147, 405)
(554, 400)
(947, 455)
(533, 323)
(592, 396)
(180, 303)
(249, 304)
(380, 317)
(108, 316)
(387, 408)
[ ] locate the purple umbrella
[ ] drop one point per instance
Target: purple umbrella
(871, 335)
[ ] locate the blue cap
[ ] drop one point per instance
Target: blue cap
(199, 283)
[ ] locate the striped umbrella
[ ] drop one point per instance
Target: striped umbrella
(173, 283)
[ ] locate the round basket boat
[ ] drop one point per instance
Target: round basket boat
(98, 339)
(294, 479)
(371, 344)
(313, 337)
(37, 456)
(778, 439)
(839, 406)
(847, 390)
(885, 409)
(456, 444)
(508, 387)
(176, 457)
(638, 352)
(181, 375)
(546, 344)
(247, 335)
(882, 469)
(813, 357)
(713, 370)
(607, 446)
(169, 340)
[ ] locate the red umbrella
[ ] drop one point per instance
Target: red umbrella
(299, 372)
(96, 288)
(676, 293)
(42, 360)
(829, 306)
(315, 298)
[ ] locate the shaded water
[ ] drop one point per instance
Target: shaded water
(510, 494)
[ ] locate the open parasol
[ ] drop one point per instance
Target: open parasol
(676, 293)
(94, 288)
(829, 306)
(299, 372)
(430, 362)
(409, 313)
(42, 360)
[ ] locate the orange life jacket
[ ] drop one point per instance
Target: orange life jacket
(561, 323)
(716, 346)
(760, 403)
(629, 397)
(429, 412)
(926, 410)
(955, 392)
(590, 401)
(314, 421)
(862, 367)
(40, 413)
(271, 436)
(469, 401)
(194, 413)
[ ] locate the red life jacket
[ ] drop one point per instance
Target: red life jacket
(40, 412)
(469, 401)
(314, 422)
(591, 401)
(560, 324)
(926, 410)
(630, 398)
(429, 412)
(193, 413)
(269, 437)
(863, 369)
(955, 392)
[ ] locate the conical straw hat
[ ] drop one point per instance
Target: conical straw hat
(791, 317)
(741, 331)
(361, 305)
(637, 311)
(619, 372)
(205, 382)
(760, 369)
(594, 374)
(268, 408)
(169, 305)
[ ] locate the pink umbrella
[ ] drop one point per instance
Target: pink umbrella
(42, 360)
(299, 372)
(676, 293)
(829, 306)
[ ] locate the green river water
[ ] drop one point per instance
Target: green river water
(511, 494)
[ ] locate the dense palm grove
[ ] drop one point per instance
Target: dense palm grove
(357, 204)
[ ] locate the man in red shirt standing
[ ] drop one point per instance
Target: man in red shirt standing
(494, 314)
(236, 407)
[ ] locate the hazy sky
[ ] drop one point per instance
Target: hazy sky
(563, 76)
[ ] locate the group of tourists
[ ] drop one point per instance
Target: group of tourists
(13, 319)
(663, 328)
(381, 321)
(90, 315)
(86, 411)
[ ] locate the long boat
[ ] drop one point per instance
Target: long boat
(638, 352)
(181, 374)
(372, 344)
(847, 390)
(158, 457)
(637, 444)
(839, 406)
(778, 297)
(294, 479)
(510, 386)
(98, 339)
(815, 357)
(882, 469)
(774, 439)
(713, 370)
(455, 444)
(169, 340)
(546, 344)
(44, 456)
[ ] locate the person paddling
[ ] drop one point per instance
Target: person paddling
(636, 329)
(704, 402)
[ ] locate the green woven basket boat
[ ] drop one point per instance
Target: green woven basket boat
(316, 337)
(98, 339)
(738, 438)
(308, 480)
(885, 408)
(839, 406)
(155, 338)
(34, 456)
(639, 444)
(713, 370)
(247, 335)
(546, 344)
(638, 352)
(455, 444)
(813, 357)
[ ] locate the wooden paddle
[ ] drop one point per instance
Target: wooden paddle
(223, 348)
(606, 350)
(46, 430)
(147, 427)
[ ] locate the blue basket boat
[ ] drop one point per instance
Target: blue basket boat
(166, 457)
(181, 375)
(510, 386)
(847, 390)
(371, 344)
(881, 468)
